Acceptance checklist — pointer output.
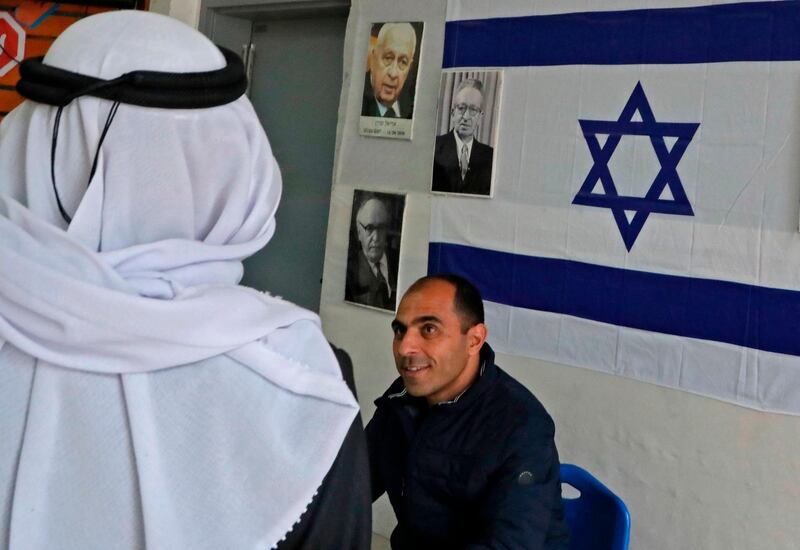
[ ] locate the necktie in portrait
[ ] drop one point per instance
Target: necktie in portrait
(464, 161)
(384, 284)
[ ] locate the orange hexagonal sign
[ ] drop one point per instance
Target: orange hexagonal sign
(12, 43)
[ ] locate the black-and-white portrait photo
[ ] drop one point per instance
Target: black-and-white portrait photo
(390, 80)
(469, 108)
(376, 225)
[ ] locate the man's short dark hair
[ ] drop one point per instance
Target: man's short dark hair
(467, 301)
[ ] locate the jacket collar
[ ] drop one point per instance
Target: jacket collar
(397, 394)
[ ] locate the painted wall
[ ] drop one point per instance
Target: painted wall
(696, 473)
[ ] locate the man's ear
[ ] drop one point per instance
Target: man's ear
(476, 336)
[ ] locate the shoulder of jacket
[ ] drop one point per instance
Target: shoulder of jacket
(518, 402)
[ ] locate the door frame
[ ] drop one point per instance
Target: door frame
(258, 10)
(235, 19)
(236, 24)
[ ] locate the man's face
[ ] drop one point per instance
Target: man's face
(435, 358)
(389, 64)
(467, 112)
(371, 222)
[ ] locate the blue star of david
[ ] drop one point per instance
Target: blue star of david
(667, 176)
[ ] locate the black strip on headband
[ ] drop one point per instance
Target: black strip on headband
(54, 86)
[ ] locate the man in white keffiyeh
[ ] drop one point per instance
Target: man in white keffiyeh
(145, 398)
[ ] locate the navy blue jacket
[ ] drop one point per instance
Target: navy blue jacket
(479, 472)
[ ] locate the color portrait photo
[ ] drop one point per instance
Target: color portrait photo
(390, 80)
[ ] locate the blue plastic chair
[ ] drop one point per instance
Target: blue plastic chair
(597, 519)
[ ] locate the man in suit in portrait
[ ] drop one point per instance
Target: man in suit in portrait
(371, 266)
(390, 61)
(461, 164)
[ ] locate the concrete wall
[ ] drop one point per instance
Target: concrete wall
(696, 473)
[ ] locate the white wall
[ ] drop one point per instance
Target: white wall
(696, 473)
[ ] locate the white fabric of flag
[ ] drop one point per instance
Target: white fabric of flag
(644, 220)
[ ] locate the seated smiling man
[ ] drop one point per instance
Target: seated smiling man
(465, 452)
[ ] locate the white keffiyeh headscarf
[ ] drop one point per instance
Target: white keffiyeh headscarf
(147, 400)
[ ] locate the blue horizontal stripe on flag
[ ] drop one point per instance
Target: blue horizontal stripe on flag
(734, 313)
(749, 31)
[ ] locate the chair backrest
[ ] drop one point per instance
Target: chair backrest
(597, 519)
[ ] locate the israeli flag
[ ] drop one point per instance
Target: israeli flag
(647, 184)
